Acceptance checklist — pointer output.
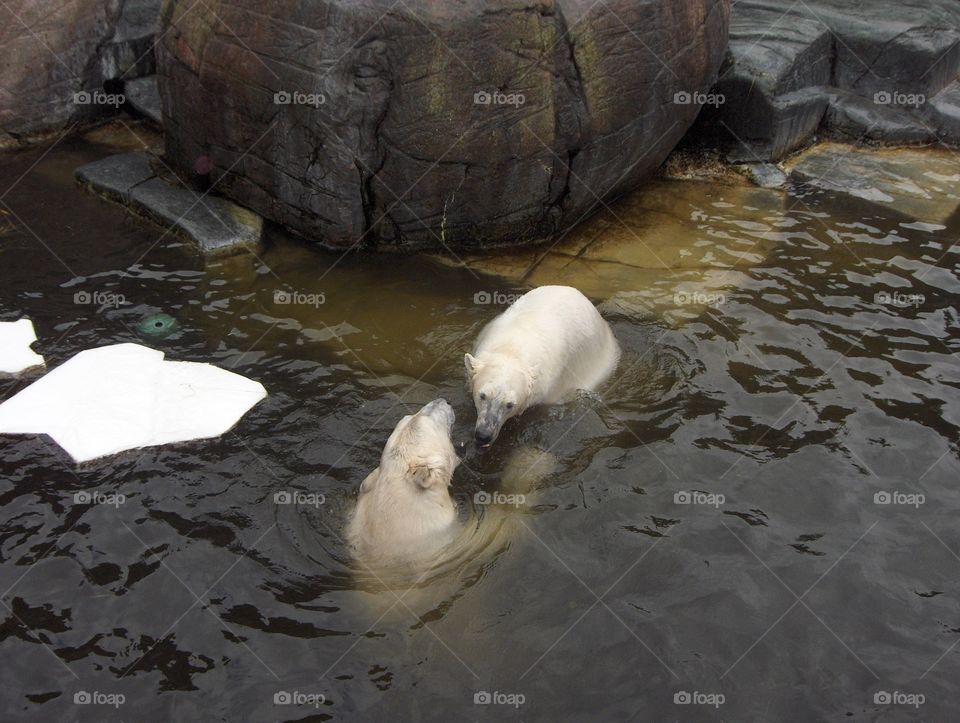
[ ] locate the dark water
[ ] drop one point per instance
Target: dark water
(799, 399)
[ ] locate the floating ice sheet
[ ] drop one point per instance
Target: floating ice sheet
(125, 396)
(15, 352)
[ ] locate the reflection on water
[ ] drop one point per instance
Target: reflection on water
(792, 360)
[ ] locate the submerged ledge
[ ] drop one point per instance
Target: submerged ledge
(215, 225)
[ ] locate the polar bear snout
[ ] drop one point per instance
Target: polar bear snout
(489, 421)
(440, 411)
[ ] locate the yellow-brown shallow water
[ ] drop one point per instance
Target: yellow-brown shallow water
(762, 363)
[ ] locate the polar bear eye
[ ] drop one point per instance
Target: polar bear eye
(483, 397)
(509, 405)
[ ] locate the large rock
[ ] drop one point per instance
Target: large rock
(56, 57)
(866, 69)
(432, 124)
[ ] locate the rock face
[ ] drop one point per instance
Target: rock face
(55, 58)
(877, 70)
(433, 124)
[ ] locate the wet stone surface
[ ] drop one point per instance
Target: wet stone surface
(216, 225)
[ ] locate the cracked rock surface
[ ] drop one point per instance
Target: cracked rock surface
(432, 124)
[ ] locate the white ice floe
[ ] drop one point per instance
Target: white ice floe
(15, 352)
(125, 396)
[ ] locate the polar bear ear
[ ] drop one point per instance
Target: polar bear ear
(472, 364)
(427, 472)
(370, 481)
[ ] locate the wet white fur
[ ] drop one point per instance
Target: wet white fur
(404, 512)
(555, 335)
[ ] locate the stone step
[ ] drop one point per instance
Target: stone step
(215, 225)
(855, 118)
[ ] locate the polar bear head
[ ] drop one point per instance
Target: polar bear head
(404, 510)
(420, 451)
(501, 389)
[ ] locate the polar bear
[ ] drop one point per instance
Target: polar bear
(404, 513)
(551, 342)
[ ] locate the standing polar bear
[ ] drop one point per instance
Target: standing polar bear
(551, 342)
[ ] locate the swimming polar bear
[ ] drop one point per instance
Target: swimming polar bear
(405, 526)
(404, 512)
(551, 342)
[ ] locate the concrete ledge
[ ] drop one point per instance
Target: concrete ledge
(216, 226)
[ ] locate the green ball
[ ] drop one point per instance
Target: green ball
(158, 325)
